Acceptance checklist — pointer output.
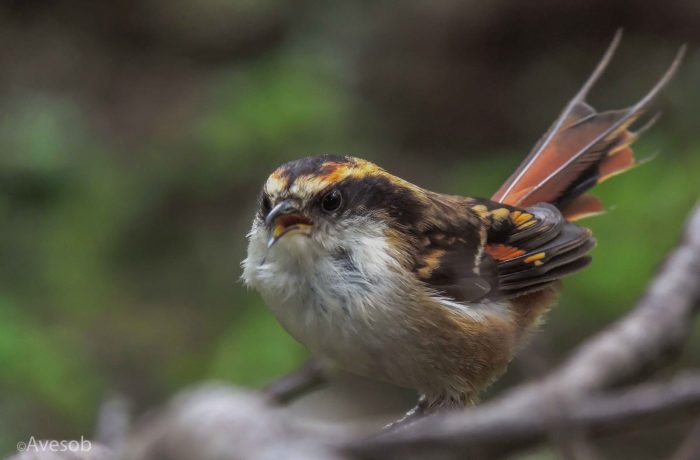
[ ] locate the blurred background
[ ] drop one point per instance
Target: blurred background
(135, 136)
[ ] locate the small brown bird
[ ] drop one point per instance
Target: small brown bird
(429, 291)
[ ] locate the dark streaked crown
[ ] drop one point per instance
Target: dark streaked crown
(365, 186)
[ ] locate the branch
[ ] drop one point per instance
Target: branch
(301, 381)
(690, 447)
(617, 412)
(217, 422)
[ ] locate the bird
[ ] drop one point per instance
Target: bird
(430, 291)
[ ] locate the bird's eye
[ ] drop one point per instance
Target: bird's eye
(331, 201)
(265, 204)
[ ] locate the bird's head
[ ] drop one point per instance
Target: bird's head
(333, 202)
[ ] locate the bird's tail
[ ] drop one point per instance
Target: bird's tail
(581, 149)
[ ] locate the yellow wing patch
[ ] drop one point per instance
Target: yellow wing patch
(430, 263)
(535, 258)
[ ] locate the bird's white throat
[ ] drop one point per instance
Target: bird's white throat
(326, 292)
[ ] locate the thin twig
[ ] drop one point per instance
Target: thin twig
(301, 381)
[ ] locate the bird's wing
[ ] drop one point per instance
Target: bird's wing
(450, 251)
(535, 247)
(508, 253)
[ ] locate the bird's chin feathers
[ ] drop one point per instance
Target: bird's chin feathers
(340, 259)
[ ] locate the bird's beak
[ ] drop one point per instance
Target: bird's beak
(284, 218)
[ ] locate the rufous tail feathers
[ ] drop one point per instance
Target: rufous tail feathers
(581, 149)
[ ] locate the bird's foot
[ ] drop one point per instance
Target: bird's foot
(418, 411)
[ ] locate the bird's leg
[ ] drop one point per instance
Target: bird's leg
(292, 385)
(418, 411)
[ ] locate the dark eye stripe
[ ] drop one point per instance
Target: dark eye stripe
(265, 204)
(377, 192)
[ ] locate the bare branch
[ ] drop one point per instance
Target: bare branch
(301, 381)
(216, 422)
(600, 414)
(690, 447)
